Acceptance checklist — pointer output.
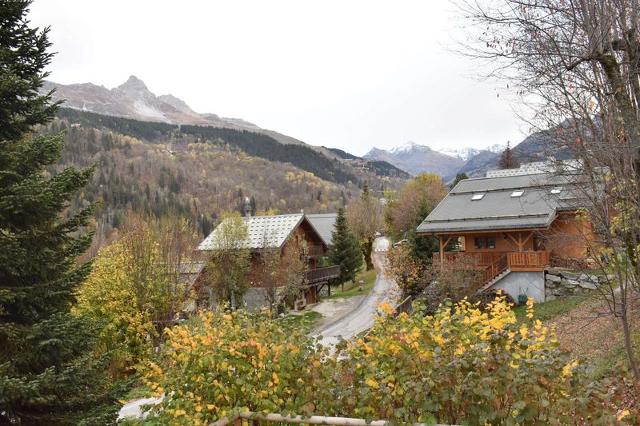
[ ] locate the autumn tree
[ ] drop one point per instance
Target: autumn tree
(364, 216)
(227, 270)
(292, 270)
(345, 251)
(507, 159)
(576, 64)
(413, 204)
(135, 289)
(281, 273)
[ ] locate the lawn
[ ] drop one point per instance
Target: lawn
(355, 288)
(304, 320)
(544, 311)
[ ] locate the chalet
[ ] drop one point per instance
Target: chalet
(281, 233)
(510, 227)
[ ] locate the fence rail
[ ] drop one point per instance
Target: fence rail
(405, 306)
(258, 419)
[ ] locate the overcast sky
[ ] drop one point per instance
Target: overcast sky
(348, 74)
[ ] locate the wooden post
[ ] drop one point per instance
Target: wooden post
(441, 255)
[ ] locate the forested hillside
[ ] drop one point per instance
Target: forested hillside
(197, 172)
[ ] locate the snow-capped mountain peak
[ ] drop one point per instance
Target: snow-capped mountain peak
(466, 153)
(409, 147)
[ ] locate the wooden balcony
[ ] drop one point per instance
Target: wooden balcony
(320, 275)
(491, 264)
(528, 260)
(515, 261)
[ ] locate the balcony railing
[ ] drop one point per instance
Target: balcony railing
(476, 258)
(515, 260)
(319, 275)
(528, 260)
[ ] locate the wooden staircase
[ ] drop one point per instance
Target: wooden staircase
(528, 261)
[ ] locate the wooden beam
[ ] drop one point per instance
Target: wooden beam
(527, 239)
(511, 238)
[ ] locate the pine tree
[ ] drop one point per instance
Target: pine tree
(345, 250)
(507, 160)
(459, 177)
(44, 355)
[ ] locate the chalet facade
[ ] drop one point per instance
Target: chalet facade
(510, 228)
(282, 233)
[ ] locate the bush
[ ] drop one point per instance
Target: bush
(464, 365)
(223, 363)
(459, 366)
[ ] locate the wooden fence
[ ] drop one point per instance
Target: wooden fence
(258, 419)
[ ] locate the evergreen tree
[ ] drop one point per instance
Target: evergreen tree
(345, 251)
(253, 206)
(507, 160)
(44, 358)
(459, 177)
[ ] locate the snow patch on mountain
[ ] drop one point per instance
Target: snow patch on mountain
(465, 154)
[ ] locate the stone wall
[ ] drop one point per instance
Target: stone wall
(563, 282)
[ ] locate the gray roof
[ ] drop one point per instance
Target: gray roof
(262, 231)
(537, 207)
(324, 224)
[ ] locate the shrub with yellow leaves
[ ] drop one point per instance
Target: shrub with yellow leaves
(465, 365)
(462, 365)
(224, 363)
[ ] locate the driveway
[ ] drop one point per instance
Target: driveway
(362, 317)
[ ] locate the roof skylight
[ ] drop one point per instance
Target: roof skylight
(517, 193)
(477, 197)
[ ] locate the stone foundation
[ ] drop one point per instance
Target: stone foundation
(562, 282)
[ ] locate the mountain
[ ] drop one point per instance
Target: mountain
(465, 154)
(414, 159)
(199, 172)
(132, 99)
(538, 146)
(153, 155)
(378, 167)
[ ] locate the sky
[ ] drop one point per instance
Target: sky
(347, 74)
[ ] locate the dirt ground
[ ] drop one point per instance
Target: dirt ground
(590, 331)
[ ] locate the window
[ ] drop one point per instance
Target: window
(477, 197)
(556, 190)
(485, 242)
(517, 193)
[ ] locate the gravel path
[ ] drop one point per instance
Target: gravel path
(363, 316)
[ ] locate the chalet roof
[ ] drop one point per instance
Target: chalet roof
(506, 202)
(324, 224)
(262, 231)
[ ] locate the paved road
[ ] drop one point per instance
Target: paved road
(362, 317)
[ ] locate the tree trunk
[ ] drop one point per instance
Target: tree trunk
(367, 248)
(628, 344)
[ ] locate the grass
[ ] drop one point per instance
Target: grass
(354, 288)
(305, 320)
(544, 311)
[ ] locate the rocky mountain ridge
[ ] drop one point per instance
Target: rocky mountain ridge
(415, 158)
(133, 100)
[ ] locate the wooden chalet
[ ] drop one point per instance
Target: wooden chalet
(282, 233)
(510, 228)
